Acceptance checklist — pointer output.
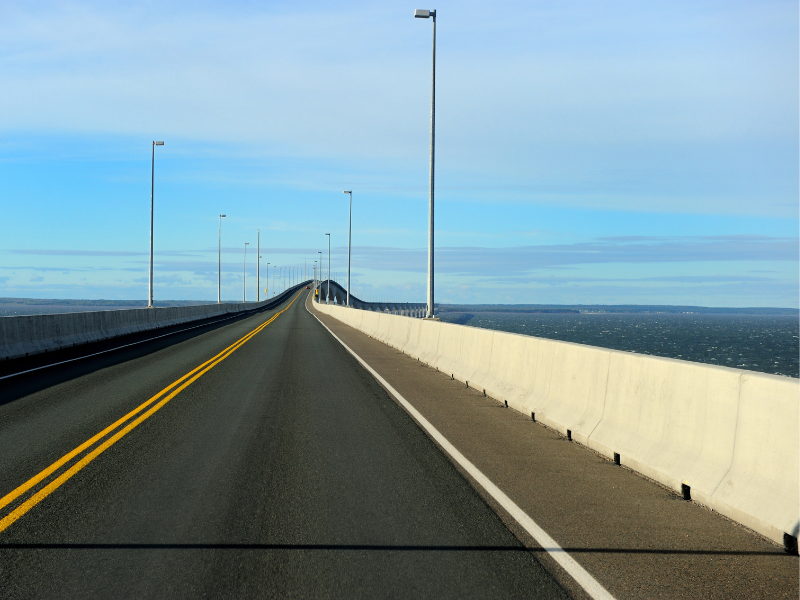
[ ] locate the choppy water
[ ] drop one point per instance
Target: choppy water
(765, 343)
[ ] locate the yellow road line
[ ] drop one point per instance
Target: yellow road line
(191, 376)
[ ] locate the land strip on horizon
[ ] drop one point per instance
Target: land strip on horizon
(10, 307)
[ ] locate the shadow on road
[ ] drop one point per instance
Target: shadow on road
(89, 358)
(378, 547)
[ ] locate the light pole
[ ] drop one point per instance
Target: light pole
(258, 267)
(349, 230)
(328, 297)
(152, 188)
(244, 288)
(219, 262)
(425, 14)
(319, 282)
(266, 290)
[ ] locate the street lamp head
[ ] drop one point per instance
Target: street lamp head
(158, 143)
(421, 13)
(347, 192)
(222, 216)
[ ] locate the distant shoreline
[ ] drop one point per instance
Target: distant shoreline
(14, 307)
(30, 306)
(615, 308)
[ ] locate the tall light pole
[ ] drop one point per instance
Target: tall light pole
(219, 262)
(349, 230)
(319, 283)
(258, 267)
(152, 188)
(244, 288)
(425, 14)
(328, 297)
(266, 290)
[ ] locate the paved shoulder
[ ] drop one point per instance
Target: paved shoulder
(635, 537)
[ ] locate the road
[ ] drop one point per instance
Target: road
(279, 469)
(636, 538)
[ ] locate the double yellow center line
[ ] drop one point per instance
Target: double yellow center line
(165, 395)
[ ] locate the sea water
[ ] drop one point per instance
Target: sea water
(766, 343)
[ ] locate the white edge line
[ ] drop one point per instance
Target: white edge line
(569, 564)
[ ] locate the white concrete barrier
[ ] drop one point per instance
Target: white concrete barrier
(33, 334)
(731, 436)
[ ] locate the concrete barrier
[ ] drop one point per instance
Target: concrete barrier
(33, 334)
(729, 438)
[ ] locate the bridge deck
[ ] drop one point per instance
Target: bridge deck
(284, 469)
(638, 539)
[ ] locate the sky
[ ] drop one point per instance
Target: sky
(586, 152)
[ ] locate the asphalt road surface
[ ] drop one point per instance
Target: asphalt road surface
(636, 538)
(279, 468)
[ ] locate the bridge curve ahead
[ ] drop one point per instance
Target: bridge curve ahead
(336, 294)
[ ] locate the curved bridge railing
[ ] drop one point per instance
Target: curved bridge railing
(338, 296)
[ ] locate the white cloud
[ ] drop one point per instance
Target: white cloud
(316, 80)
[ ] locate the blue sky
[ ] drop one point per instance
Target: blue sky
(587, 152)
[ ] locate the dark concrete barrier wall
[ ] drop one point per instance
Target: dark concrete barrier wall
(33, 334)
